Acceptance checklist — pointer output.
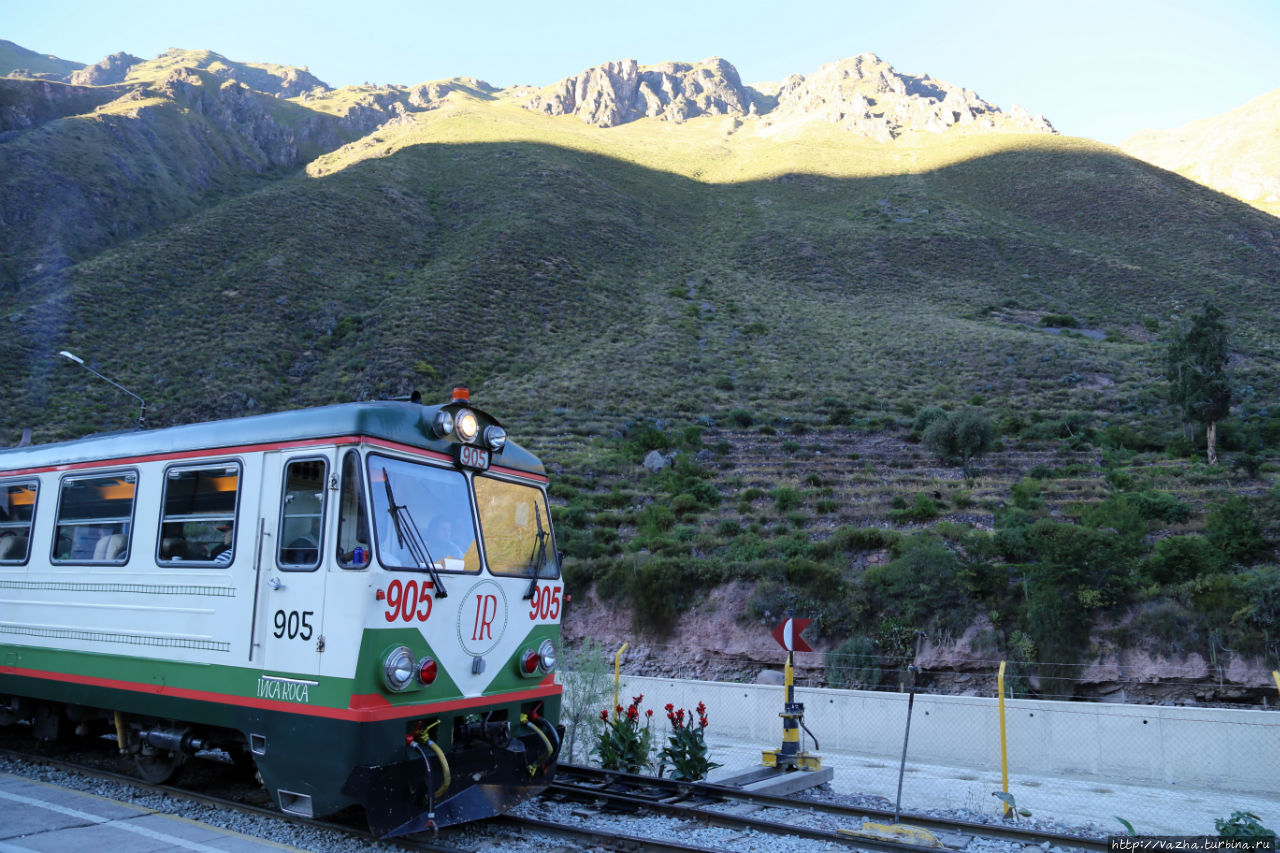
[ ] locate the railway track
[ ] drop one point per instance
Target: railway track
(815, 820)
(588, 808)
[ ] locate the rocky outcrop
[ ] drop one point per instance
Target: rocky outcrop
(866, 96)
(431, 95)
(113, 69)
(27, 103)
(620, 92)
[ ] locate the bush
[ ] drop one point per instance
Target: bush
(1181, 558)
(853, 664)
(922, 509)
(925, 417)
(919, 585)
(1233, 527)
(1059, 321)
(960, 438)
(786, 498)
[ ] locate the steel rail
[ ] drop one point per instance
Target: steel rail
(838, 810)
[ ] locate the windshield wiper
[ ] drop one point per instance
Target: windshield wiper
(538, 558)
(409, 538)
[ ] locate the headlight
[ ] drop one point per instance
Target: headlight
(466, 425)
(443, 424)
(540, 662)
(495, 437)
(398, 669)
(547, 656)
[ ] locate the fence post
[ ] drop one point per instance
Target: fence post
(617, 665)
(1004, 754)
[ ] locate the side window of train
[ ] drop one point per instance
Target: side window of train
(95, 518)
(198, 515)
(17, 511)
(302, 514)
(353, 519)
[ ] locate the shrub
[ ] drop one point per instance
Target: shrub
(1242, 825)
(853, 664)
(1181, 558)
(960, 438)
(920, 584)
(786, 498)
(1059, 321)
(925, 417)
(1233, 527)
(922, 508)
(741, 417)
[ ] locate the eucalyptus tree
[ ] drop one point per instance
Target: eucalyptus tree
(1196, 366)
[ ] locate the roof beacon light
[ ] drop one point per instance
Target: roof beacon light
(461, 394)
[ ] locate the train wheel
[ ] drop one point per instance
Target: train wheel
(159, 766)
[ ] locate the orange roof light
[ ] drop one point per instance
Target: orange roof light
(461, 394)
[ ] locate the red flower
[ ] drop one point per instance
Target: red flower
(636, 700)
(701, 709)
(649, 713)
(619, 709)
(604, 715)
(633, 714)
(670, 707)
(702, 721)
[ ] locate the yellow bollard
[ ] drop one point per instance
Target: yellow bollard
(617, 665)
(1004, 754)
(1275, 673)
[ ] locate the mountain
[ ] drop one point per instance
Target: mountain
(18, 61)
(771, 288)
(1237, 152)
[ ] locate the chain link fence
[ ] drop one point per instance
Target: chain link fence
(1174, 765)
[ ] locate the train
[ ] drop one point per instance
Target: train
(358, 603)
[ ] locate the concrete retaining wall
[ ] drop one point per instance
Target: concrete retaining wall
(1224, 749)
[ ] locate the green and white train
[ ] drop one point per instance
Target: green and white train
(362, 601)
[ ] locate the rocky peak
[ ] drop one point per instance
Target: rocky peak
(865, 95)
(619, 92)
(112, 69)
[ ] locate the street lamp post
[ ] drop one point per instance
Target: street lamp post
(142, 412)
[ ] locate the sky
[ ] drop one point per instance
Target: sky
(1098, 68)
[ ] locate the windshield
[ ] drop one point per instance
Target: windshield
(435, 504)
(516, 528)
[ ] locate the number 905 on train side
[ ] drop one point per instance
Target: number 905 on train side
(361, 602)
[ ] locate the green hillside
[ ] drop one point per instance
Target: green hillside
(777, 307)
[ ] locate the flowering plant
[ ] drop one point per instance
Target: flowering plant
(686, 749)
(625, 743)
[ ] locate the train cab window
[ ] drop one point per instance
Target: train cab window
(516, 528)
(198, 516)
(301, 514)
(95, 518)
(353, 519)
(422, 512)
(17, 510)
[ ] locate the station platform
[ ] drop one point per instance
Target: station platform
(42, 817)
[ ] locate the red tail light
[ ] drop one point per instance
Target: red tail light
(529, 662)
(427, 671)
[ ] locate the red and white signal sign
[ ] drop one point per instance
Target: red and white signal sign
(788, 635)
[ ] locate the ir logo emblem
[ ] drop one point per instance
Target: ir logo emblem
(482, 618)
